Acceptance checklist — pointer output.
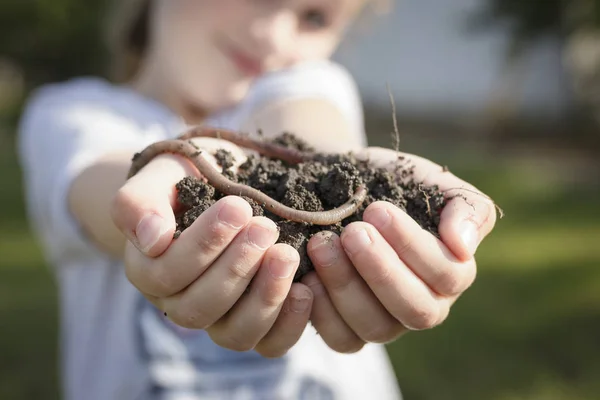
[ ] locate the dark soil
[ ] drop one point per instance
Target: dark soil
(318, 185)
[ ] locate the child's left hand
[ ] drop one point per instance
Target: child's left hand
(386, 275)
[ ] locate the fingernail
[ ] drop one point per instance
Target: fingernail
(469, 234)
(149, 230)
(232, 216)
(357, 241)
(259, 236)
(379, 217)
(300, 304)
(324, 252)
(284, 266)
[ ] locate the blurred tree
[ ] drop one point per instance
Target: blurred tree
(527, 21)
(49, 40)
(52, 39)
(574, 24)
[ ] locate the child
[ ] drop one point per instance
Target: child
(146, 317)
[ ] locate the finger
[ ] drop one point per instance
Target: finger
(354, 300)
(193, 252)
(423, 253)
(468, 216)
(143, 207)
(398, 288)
(290, 323)
(255, 313)
(209, 297)
(327, 321)
(465, 220)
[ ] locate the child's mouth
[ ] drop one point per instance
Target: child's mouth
(245, 63)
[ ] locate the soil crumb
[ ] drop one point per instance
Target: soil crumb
(322, 184)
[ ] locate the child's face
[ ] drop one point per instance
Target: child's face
(211, 51)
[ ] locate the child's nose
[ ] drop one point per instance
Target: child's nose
(274, 33)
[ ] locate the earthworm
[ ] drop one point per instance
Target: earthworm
(268, 149)
(220, 182)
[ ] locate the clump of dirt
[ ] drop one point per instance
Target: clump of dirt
(325, 183)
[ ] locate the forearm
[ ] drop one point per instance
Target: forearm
(316, 121)
(90, 197)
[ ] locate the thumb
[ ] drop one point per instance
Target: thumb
(143, 207)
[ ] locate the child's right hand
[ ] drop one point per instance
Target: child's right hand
(200, 279)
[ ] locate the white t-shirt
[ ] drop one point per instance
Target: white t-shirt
(114, 344)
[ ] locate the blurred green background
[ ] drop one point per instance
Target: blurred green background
(528, 329)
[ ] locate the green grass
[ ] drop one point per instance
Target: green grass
(28, 301)
(528, 329)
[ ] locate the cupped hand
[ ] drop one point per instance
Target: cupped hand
(224, 273)
(385, 275)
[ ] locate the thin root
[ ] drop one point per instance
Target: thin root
(427, 198)
(500, 210)
(396, 136)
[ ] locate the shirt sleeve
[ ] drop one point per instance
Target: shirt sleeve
(320, 79)
(58, 137)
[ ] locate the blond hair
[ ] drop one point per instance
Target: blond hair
(128, 34)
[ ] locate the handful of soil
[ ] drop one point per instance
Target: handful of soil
(321, 184)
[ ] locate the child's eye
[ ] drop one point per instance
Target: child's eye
(314, 19)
